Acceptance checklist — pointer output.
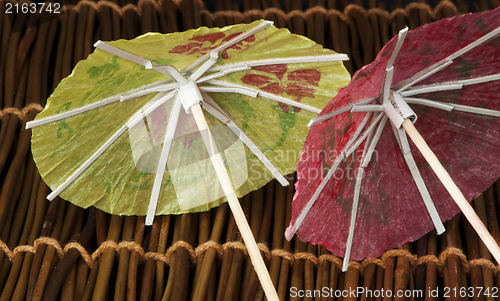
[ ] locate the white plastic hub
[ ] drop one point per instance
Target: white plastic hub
(189, 94)
(398, 110)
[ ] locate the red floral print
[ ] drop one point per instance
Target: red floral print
(211, 37)
(185, 48)
(297, 83)
(278, 70)
(243, 44)
(202, 44)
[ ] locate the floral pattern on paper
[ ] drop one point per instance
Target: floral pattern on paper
(277, 80)
(202, 44)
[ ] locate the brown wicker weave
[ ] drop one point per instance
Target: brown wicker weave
(55, 250)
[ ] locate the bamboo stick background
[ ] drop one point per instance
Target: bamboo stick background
(57, 251)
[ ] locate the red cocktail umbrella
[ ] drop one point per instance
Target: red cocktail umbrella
(362, 187)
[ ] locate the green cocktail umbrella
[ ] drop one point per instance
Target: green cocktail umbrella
(175, 123)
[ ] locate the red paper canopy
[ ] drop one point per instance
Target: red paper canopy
(458, 109)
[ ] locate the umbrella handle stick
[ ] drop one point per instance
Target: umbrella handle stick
(234, 205)
(453, 189)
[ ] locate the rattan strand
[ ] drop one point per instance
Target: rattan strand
(194, 253)
(352, 16)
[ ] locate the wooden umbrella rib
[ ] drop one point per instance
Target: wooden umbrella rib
(422, 75)
(433, 88)
(87, 163)
(286, 60)
(146, 89)
(222, 73)
(341, 110)
(419, 182)
(352, 223)
(130, 123)
(452, 106)
(368, 156)
(476, 110)
(357, 187)
(290, 231)
(229, 43)
(363, 137)
(430, 103)
(246, 140)
(474, 44)
(451, 85)
(124, 54)
(169, 136)
(267, 95)
(397, 48)
(445, 62)
(229, 90)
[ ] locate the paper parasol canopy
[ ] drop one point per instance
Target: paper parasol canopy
(167, 124)
(362, 186)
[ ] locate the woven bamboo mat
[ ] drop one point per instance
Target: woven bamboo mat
(55, 250)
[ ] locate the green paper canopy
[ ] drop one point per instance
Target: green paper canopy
(99, 139)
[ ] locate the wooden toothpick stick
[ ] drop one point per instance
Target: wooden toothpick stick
(234, 204)
(453, 189)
